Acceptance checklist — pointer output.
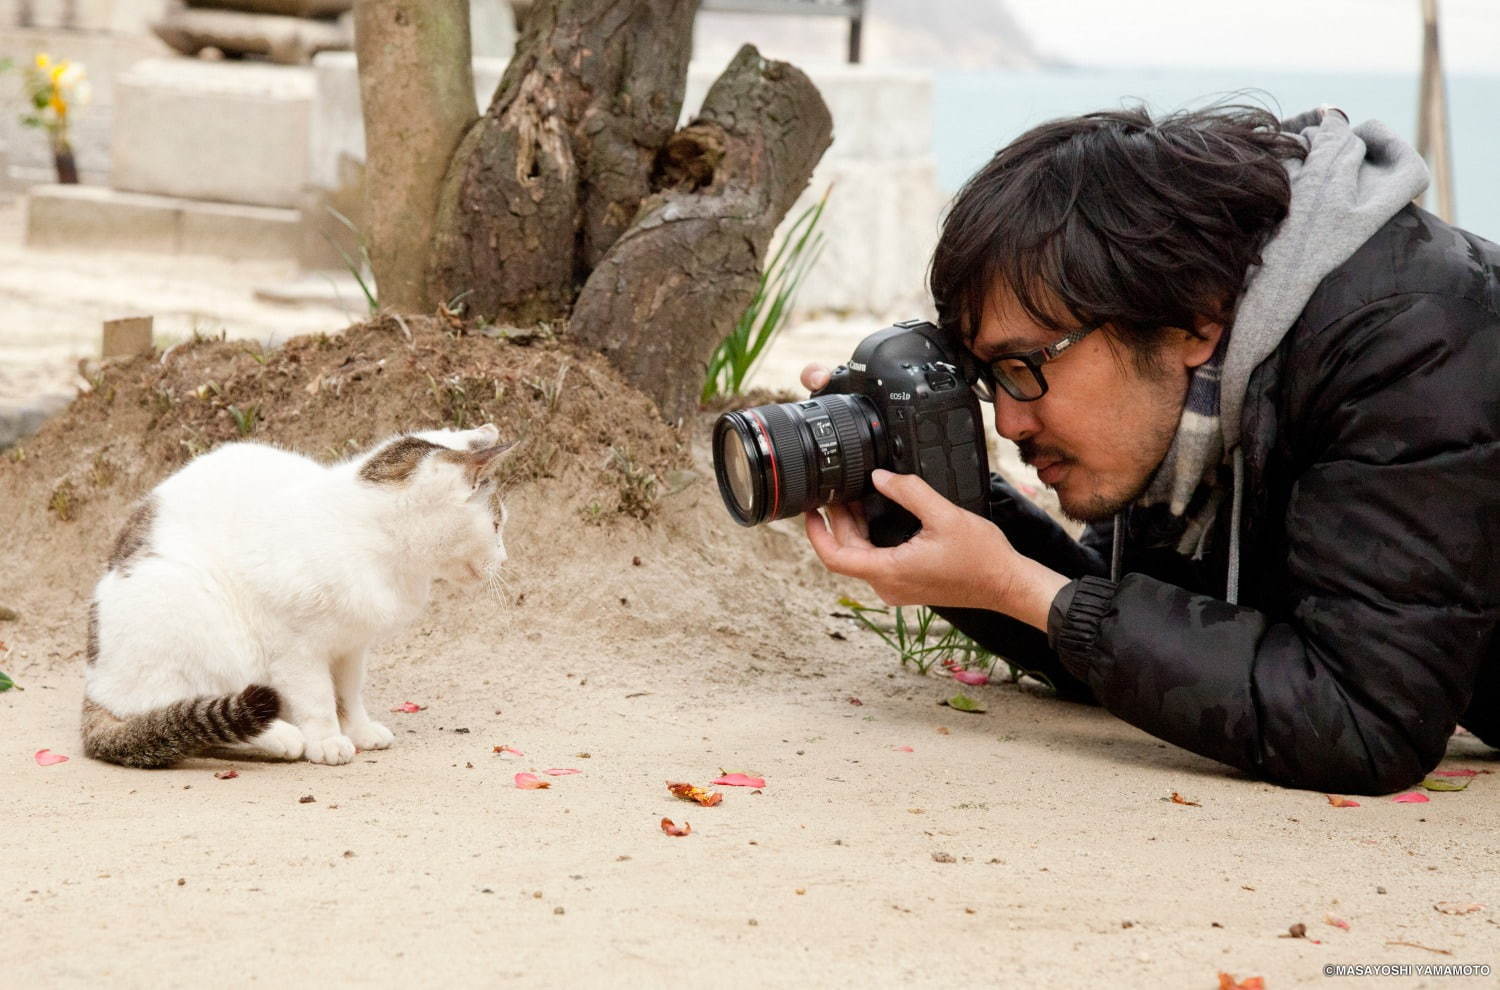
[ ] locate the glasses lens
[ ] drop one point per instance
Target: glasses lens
(736, 464)
(1020, 380)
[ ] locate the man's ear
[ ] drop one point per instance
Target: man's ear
(1196, 349)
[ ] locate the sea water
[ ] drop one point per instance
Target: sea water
(975, 113)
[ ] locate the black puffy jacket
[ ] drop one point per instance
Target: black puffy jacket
(1369, 614)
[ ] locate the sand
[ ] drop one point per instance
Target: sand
(1034, 845)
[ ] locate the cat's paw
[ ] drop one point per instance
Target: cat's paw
(282, 741)
(371, 735)
(334, 750)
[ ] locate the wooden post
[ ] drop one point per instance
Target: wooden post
(1432, 115)
(127, 337)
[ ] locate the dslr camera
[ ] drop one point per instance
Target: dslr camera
(903, 402)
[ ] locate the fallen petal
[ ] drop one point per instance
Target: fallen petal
(502, 750)
(1227, 982)
(46, 758)
(560, 772)
(226, 774)
(1458, 907)
(740, 780)
(688, 792)
(409, 706)
(530, 782)
(970, 676)
(1455, 773)
(1179, 799)
(1341, 802)
(1411, 797)
(1445, 783)
(670, 829)
(903, 749)
(1329, 919)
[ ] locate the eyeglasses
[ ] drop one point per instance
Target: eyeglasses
(1020, 373)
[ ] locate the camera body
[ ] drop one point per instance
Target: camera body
(904, 401)
(918, 378)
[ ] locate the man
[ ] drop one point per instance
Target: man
(1271, 386)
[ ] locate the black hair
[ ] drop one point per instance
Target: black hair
(1114, 219)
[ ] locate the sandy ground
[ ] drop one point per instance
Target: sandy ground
(1034, 845)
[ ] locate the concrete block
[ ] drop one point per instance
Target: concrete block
(93, 218)
(126, 337)
(233, 132)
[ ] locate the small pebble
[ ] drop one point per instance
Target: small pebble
(558, 910)
(1127, 924)
(942, 857)
(307, 799)
(753, 923)
(182, 881)
(1379, 890)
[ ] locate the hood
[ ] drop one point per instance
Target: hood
(1354, 179)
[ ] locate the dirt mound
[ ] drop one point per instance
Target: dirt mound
(614, 513)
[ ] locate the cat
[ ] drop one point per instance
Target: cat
(246, 589)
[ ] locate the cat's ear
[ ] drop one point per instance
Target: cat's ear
(479, 464)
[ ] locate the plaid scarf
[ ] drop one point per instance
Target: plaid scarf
(1195, 455)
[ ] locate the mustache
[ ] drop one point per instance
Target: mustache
(1031, 452)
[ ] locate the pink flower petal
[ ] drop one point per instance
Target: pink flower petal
(46, 758)
(559, 772)
(1455, 773)
(740, 780)
(970, 676)
(903, 749)
(502, 750)
(409, 707)
(1411, 798)
(530, 782)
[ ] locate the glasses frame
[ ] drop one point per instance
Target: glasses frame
(984, 386)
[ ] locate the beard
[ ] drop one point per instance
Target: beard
(1088, 502)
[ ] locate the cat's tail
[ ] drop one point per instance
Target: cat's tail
(161, 737)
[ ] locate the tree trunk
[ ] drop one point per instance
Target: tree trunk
(675, 283)
(557, 167)
(416, 87)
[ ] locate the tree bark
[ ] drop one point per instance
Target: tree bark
(416, 86)
(676, 282)
(557, 167)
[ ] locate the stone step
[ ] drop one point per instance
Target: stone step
(95, 218)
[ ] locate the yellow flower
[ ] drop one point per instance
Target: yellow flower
(58, 104)
(57, 70)
(43, 61)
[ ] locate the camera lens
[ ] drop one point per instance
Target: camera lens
(780, 460)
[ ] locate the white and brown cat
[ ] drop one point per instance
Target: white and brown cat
(246, 589)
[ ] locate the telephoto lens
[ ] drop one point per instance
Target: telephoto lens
(777, 461)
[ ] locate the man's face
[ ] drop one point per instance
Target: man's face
(1105, 423)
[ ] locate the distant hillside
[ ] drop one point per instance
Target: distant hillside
(974, 34)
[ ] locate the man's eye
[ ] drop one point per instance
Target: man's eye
(1012, 368)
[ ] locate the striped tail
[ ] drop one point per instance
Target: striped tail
(185, 728)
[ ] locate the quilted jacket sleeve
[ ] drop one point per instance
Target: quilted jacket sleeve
(1033, 533)
(1392, 570)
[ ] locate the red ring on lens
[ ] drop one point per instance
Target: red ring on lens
(765, 435)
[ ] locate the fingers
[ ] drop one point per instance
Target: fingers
(850, 559)
(814, 377)
(848, 528)
(911, 493)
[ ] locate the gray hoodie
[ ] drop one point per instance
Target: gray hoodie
(1353, 180)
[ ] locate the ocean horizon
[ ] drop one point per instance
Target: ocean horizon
(977, 112)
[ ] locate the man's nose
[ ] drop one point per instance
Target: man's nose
(1014, 420)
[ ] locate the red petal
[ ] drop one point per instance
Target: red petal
(408, 707)
(226, 774)
(530, 782)
(903, 749)
(971, 676)
(502, 750)
(740, 780)
(1341, 802)
(670, 829)
(558, 772)
(1455, 773)
(1329, 919)
(1411, 798)
(46, 758)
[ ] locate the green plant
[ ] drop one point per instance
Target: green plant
(359, 268)
(920, 637)
(738, 353)
(53, 91)
(245, 419)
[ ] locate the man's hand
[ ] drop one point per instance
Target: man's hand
(814, 377)
(958, 559)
